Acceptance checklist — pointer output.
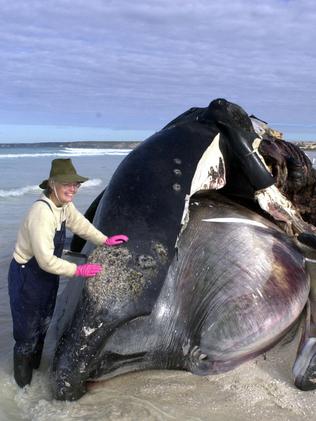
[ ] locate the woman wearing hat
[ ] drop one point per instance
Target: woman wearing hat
(36, 265)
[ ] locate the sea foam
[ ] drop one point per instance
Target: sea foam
(21, 191)
(69, 152)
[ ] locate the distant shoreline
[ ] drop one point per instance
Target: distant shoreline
(115, 144)
(305, 145)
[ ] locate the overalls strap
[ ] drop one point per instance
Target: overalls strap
(44, 201)
(59, 239)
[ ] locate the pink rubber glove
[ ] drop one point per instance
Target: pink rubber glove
(88, 270)
(115, 240)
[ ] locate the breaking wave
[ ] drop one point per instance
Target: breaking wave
(68, 152)
(21, 191)
(93, 152)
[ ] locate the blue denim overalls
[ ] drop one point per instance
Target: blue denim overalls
(32, 299)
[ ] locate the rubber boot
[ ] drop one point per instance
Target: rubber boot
(23, 369)
(37, 355)
(304, 368)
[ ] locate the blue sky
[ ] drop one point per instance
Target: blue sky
(121, 69)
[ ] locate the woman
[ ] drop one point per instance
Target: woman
(36, 265)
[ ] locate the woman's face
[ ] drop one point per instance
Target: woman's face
(63, 193)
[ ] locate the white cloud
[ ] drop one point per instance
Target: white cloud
(125, 64)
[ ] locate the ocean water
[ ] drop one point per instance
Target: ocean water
(262, 388)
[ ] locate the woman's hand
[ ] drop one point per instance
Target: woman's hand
(88, 270)
(115, 240)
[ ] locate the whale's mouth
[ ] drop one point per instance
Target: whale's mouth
(113, 364)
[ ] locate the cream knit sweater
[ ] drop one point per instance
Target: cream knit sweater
(37, 231)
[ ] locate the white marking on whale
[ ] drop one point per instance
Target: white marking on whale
(211, 159)
(236, 221)
(88, 330)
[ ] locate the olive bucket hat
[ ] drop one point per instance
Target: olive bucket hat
(63, 171)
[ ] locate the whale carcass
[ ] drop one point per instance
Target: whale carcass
(204, 283)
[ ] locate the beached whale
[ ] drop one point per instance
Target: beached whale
(203, 283)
